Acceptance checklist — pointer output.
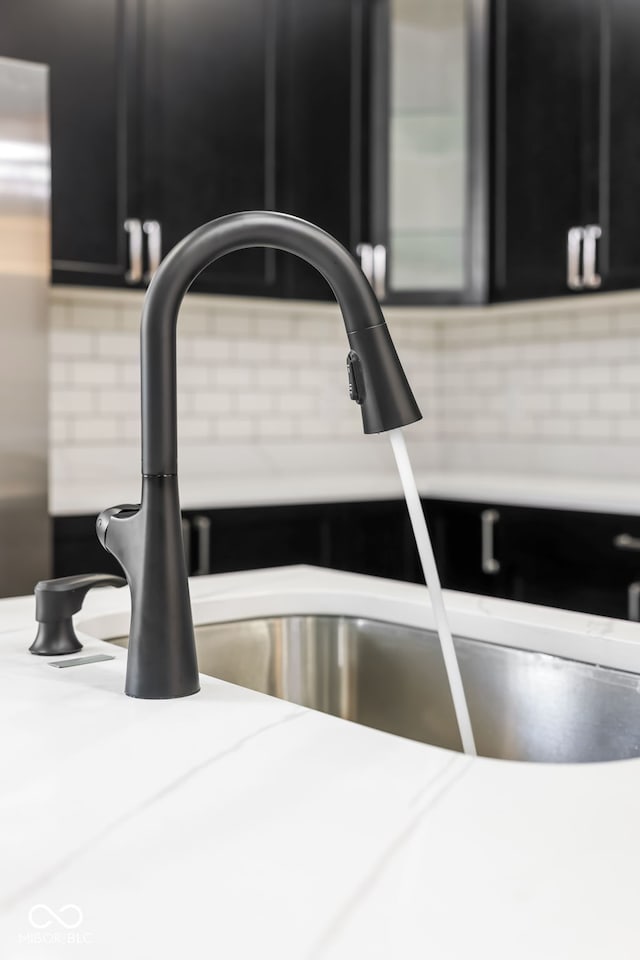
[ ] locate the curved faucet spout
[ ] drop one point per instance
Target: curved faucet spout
(147, 538)
(383, 392)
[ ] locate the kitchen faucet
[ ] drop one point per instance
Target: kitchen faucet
(147, 538)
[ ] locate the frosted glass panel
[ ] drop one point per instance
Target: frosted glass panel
(427, 144)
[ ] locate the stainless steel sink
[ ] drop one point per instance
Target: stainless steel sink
(524, 706)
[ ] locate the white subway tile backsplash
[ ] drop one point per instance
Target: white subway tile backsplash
(92, 429)
(118, 401)
(253, 352)
(115, 345)
(94, 372)
(274, 426)
(274, 377)
(213, 403)
(70, 343)
(72, 402)
(234, 428)
(613, 402)
(232, 325)
(526, 387)
(232, 377)
(249, 401)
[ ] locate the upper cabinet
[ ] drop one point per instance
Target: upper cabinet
(208, 127)
(87, 47)
(162, 117)
(566, 166)
(544, 176)
(499, 151)
(619, 143)
(464, 150)
(322, 118)
(427, 237)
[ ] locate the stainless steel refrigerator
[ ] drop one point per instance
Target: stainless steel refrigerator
(24, 281)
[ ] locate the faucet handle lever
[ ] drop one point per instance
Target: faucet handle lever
(104, 518)
(56, 602)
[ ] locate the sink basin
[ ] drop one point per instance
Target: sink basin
(523, 705)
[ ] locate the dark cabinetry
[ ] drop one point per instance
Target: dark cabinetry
(162, 117)
(566, 145)
(372, 538)
(88, 49)
(568, 559)
(467, 538)
(208, 135)
(561, 558)
(494, 146)
(322, 126)
(546, 105)
(76, 548)
(467, 150)
(619, 143)
(254, 537)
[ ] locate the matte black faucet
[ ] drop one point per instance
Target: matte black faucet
(147, 538)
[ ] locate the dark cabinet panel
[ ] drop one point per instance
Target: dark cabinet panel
(559, 558)
(570, 560)
(255, 537)
(76, 548)
(321, 116)
(374, 538)
(209, 134)
(566, 559)
(87, 47)
(465, 562)
(619, 246)
(544, 136)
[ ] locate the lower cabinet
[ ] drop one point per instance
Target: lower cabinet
(373, 538)
(249, 538)
(573, 560)
(569, 559)
(76, 548)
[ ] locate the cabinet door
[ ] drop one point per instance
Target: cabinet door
(574, 561)
(619, 245)
(545, 137)
(374, 539)
(321, 96)
(428, 135)
(256, 537)
(84, 44)
(76, 548)
(209, 108)
(468, 544)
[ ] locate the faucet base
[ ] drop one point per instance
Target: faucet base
(162, 662)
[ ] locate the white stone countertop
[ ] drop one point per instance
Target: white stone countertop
(234, 825)
(70, 498)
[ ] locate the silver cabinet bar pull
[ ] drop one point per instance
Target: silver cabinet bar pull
(380, 271)
(624, 541)
(203, 528)
(364, 252)
(488, 520)
(575, 238)
(186, 542)
(591, 277)
(153, 231)
(134, 229)
(633, 601)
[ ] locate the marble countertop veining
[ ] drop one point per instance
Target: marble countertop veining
(236, 825)
(68, 498)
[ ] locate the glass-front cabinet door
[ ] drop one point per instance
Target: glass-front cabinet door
(428, 151)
